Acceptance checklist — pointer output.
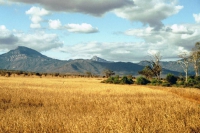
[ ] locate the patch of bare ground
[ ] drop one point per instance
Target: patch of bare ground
(80, 105)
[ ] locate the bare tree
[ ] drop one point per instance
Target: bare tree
(195, 58)
(184, 62)
(154, 65)
(108, 73)
(88, 74)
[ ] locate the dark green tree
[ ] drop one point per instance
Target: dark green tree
(171, 78)
(146, 72)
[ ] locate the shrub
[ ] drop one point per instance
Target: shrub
(142, 81)
(180, 82)
(191, 82)
(197, 86)
(156, 82)
(166, 84)
(197, 78)
(171, 79)
(126, 80)
(117, 80)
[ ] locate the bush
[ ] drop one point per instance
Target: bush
(142, 81)
(117, 80)
(171, 79)
(156, 82)
(197, 78)
(191, 82)
(166, 84)
(126, 80)
(180, 82)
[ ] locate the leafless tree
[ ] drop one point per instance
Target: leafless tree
(184, 62)
(154, 65)
(195, 58)
(108, 73)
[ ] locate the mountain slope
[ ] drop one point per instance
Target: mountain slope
(27, 59)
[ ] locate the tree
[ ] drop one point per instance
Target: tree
(171, 78)
(195, 58)
(88, 74)
(146, 72)
(184, 62)
(154, 68)
(108, 73)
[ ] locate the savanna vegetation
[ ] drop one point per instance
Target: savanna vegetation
(59, 103)
(78, 105)
(151, 74)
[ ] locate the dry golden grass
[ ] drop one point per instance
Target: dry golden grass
(81, 105)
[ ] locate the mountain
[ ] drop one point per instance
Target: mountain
(26, 59)
(95, 58)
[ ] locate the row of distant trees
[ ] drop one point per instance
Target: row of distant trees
(8, 73)
(154, 68)
(106, 73)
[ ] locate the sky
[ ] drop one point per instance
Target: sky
(115, 30)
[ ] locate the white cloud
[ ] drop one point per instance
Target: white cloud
(169, 38)
(55, 24)
(36, 11)
(2, 27)
(197, 17)
(149, 12)
(180, 29)
(6, 37)
(40, 41)
(115, 51)
(36, 14)
(81, 28)
(4, 2)
(35, 26)
(36, 19)
(92, 7)
(75, 28)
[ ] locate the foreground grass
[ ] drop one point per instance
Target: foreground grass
(80, 105)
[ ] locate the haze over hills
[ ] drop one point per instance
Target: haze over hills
(26, 59)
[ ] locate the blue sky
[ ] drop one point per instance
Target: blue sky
(116, 30)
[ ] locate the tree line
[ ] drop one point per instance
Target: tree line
(152, 71)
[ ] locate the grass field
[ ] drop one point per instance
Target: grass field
(84, 105)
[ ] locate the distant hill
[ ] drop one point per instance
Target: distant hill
(26, 59)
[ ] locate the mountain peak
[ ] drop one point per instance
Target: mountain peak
(98, 59)
(25, 50)
(22, 52)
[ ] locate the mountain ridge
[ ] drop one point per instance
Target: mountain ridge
(26, 59)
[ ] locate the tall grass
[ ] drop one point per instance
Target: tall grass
(81, 105)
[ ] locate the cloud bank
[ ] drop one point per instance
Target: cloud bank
(92, 7)
(149, 12)
(170, 41)
(40, 41)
